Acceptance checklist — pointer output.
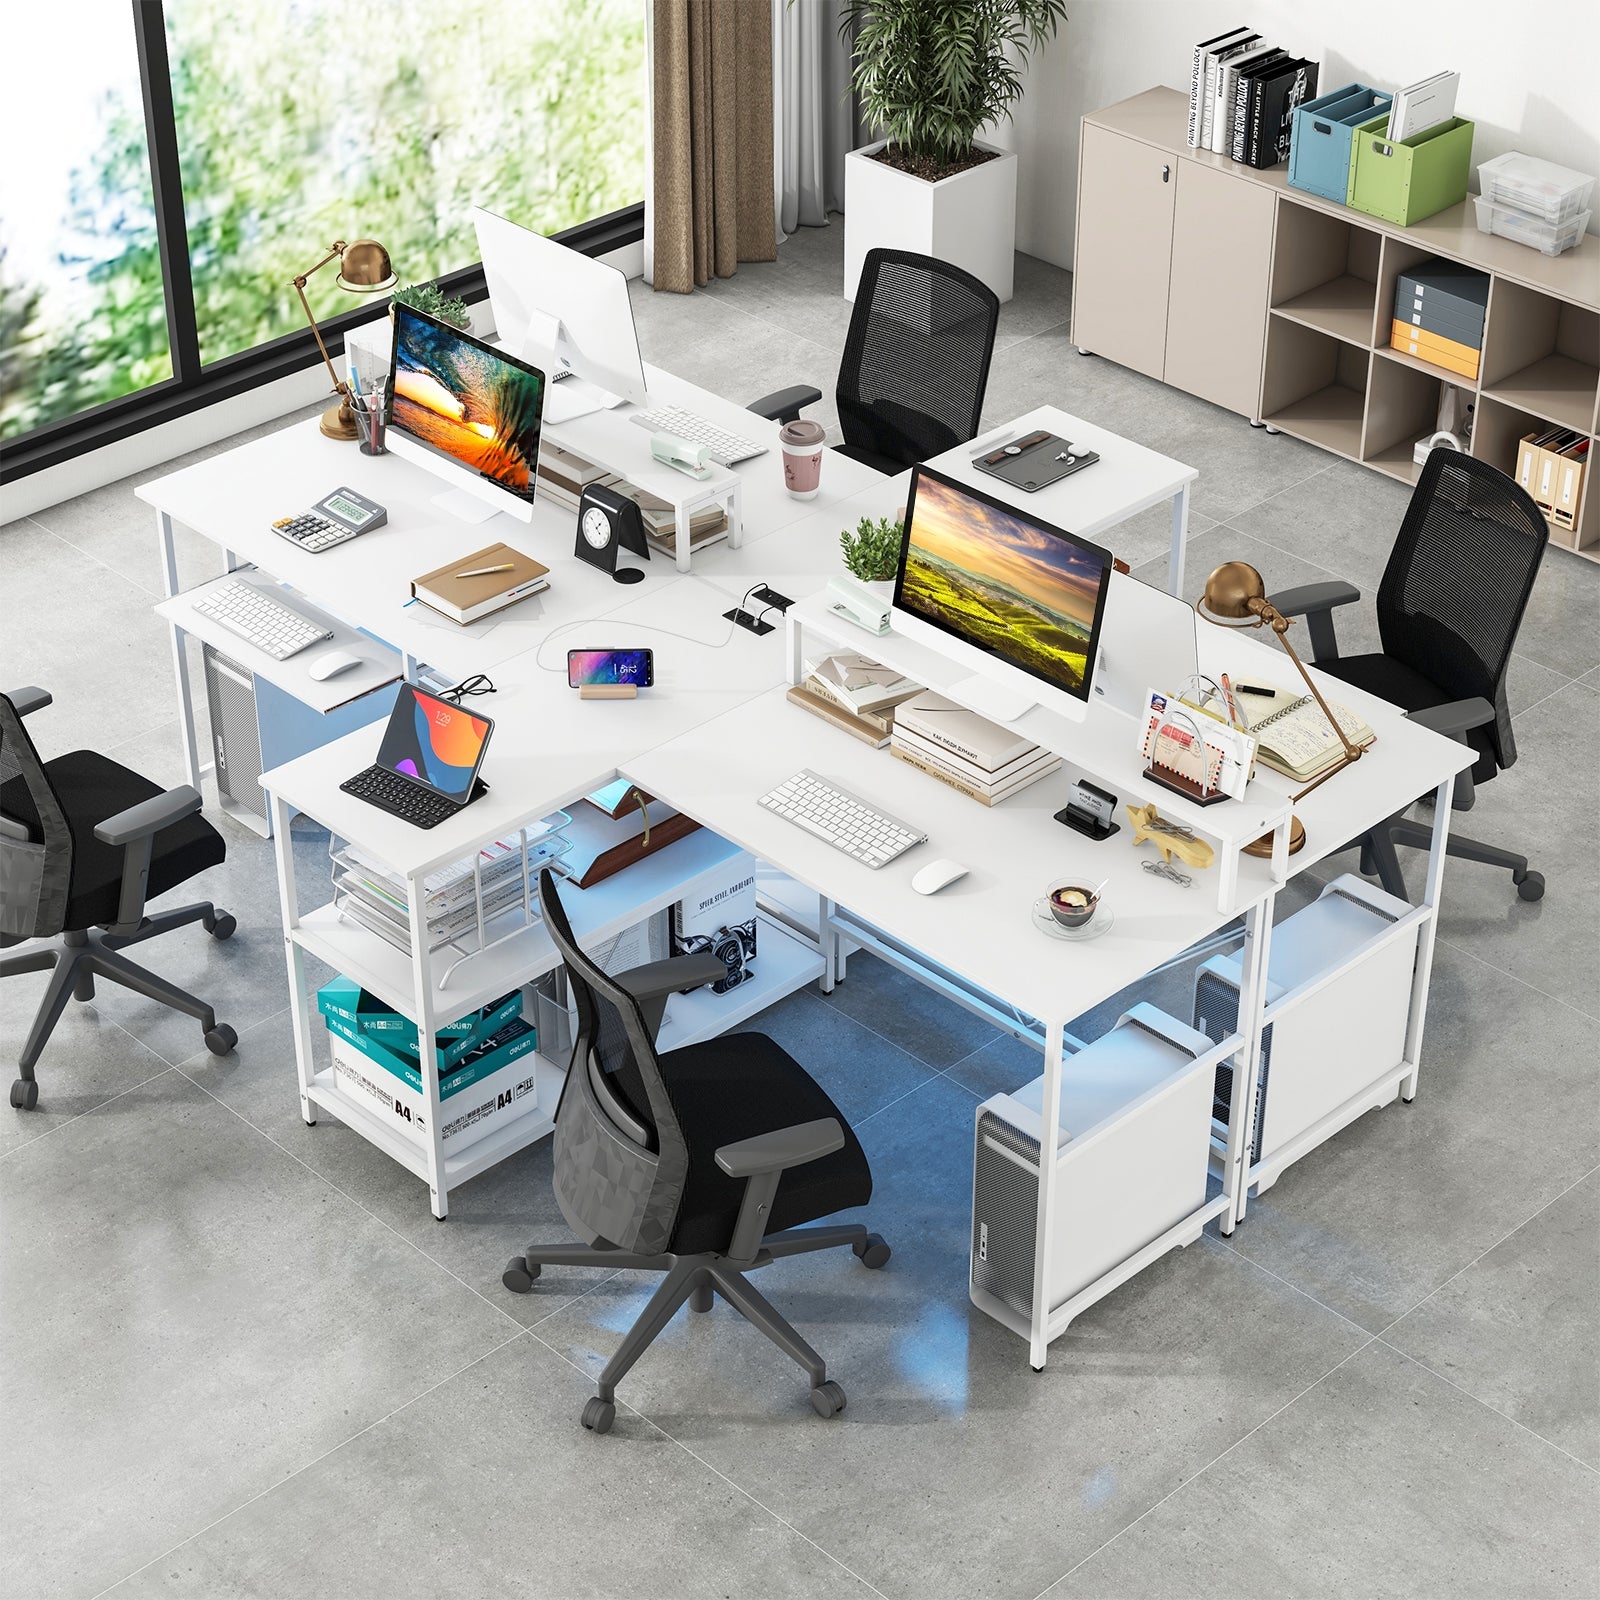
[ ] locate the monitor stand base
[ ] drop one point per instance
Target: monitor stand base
(991, 699)
(464, 506)
(574, 397)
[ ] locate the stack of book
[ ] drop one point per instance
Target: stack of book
(1440, 308)
(854, 693)
(958, 747)
(360, 1018)
(1243, 93)
(706, 525)
(564, 476)
(478, 585)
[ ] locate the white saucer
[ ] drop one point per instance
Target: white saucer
(1045, 923)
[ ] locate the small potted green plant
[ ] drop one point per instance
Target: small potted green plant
(872, 548)
(432, 301)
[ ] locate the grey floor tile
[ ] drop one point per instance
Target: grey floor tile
(955, 1471)
(1391, 1207)
(113, 526)
(908, 1013)
(1378, 1482)
(488, 1487)
(1561, 627)
(1520, 1328)
(191, 1315)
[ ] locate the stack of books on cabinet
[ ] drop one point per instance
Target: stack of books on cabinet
(1243, 95)
(967, 752)
(855, 694)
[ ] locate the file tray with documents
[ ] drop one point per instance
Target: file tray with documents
(1404, 183)
(472, 905)
(1323, 135)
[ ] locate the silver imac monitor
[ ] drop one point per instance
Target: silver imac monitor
(564, 311)
(1015, 601)
(469, 413)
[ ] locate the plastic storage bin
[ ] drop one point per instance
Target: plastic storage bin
(1405, 182)
(1542, 189)
(1510, 222)
(1322, 136)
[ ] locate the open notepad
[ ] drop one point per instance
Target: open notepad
(1293, 736)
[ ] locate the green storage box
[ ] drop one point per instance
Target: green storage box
(1377, 125)
(1403, 183)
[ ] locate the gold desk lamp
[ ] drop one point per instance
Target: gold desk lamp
(1236, 597)
(364, 268)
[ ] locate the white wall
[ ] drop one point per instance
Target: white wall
(1530, 77)
(144, 453)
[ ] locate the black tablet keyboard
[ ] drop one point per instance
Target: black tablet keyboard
(380, 787)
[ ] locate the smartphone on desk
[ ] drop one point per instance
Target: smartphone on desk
(636, 667)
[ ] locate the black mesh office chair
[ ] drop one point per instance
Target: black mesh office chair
(1449, 606)
(701, 1163)
(84, 842)
(915, 366)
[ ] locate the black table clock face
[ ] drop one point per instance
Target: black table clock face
(608, 522)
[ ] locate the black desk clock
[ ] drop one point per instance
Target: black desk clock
(608, 522)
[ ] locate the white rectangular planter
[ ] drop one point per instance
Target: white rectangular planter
(969, 220)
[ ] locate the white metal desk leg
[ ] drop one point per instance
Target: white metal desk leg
(1180, 537)
(1423, 972)
(409, 666)
(180, 659)
(828, 939)
(794, 647)
(680, 539)
(289, 914)
(427, 1051)
(1044, 1229)
(1247, 1063)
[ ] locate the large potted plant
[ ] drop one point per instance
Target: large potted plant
(930, 74)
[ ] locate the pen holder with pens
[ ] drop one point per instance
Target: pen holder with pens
(371, 411)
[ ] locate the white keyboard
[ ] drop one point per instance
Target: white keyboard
(842, 819)
(726, 448)
(243, 609)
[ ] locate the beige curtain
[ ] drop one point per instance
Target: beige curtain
(711, 131)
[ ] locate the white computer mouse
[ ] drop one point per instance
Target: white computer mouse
(330, 664)
(933, 877)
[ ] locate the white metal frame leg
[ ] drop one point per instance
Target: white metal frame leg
(427, 1052)
(1423, 972)
(1247, 1063)
(1044, 1230)
(289, 912)
(180, 656)
(1180, 537)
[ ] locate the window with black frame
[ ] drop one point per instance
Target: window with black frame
(149, 231)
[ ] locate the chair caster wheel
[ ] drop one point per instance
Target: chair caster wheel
(874, 1253)
(827, 1399)
(1530, 886)
(224, 926)
(519, 1277)
(598, 1415)
(221, 1039)
(25, 1094)
(702, 1298)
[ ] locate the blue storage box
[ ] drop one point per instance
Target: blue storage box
(1320, 141)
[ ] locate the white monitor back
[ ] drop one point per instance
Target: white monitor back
(1146, 642)
(561, 310)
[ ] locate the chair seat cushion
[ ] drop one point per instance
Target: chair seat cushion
(91, 787)
(735, 1087)
(1401, 686)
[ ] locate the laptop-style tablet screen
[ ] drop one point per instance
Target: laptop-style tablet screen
(433, 742)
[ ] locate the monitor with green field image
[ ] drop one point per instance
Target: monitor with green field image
(1015, 601)
(469, 413)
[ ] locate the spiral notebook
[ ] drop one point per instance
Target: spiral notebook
(1294, 737)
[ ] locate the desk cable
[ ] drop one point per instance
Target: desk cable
(644, 627)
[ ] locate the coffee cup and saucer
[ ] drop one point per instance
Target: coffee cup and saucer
(1072, 911)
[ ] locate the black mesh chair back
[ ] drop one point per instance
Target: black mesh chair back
(916, 359)
(35, 838)
(620, 1155)
(1457, 583)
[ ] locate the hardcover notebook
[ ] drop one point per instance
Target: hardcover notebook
(464, 600)
(1292, 735)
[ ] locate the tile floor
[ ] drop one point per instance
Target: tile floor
(241, 1359)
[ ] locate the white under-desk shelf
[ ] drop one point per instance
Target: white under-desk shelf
(783, 963)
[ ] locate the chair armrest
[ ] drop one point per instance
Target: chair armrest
(149, 816)
(783, 405)
(1316, 602)
(1455, 717)
(656, 981)
(29, 699)
(782, 1148)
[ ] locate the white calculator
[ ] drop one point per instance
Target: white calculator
(333, 519)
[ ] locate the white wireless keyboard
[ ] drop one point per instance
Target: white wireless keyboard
(842, 819)
(243, 609)
(726, 448)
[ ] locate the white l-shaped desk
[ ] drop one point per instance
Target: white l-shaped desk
(717, 732)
